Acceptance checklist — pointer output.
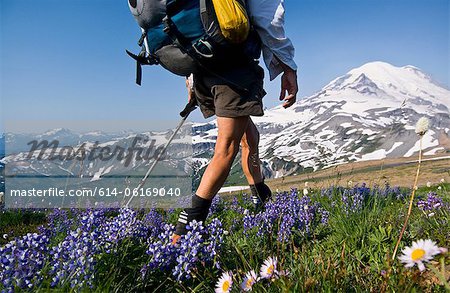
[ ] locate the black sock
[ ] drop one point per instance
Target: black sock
(260, 192)
(198, 211)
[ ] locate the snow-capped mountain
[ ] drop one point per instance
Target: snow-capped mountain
(368, 113)
(62, 152)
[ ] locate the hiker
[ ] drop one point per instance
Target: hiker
(216, 43)
(233, 110)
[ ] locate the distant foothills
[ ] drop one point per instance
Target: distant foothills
(368, 113)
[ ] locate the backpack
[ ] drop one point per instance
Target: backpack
(189, 36)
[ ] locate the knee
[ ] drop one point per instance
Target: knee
(226, 151)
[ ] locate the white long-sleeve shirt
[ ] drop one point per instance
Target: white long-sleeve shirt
(268, 19)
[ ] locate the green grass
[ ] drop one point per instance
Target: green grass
(352, 253)
(348, 255)
(19, 222)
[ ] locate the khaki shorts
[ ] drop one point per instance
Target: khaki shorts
(216, 97)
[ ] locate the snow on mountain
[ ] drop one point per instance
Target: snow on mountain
(368, 113)
(395, 85)
(93, 154)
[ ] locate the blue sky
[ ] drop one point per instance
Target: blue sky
(66, 59)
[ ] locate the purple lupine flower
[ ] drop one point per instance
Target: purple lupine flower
(215, 204)
(154, 221)
(188, 253)
(431, 203)
(286, 213)
(200, 244)
(324, 215)
(21, 261)
(73, 260)
(215, 240)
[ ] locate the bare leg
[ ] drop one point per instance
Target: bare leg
(250, 156)
(230, 132)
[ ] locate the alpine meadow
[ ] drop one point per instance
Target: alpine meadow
(340, 183)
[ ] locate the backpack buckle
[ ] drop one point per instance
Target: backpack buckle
(167, 25)
(142, 38)
(203, 48)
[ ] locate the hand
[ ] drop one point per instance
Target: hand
(190, 88)
(289, 86)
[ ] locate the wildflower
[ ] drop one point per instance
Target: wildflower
(224, 283)
(306, 184)
(439, 187)
(269, 268)
(431, 203)
(305, 191)
(5, 236)
(428, 184)
(21, 260)
(249, 280)
(422, 126)
(350, 183)
(421, 251)
(442, 180)
(431, 215)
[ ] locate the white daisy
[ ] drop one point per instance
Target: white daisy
(421, 251)
(269, 268)
(224, 283)
(422, 125)
(249, 280)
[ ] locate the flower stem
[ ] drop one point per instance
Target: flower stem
(410, 200)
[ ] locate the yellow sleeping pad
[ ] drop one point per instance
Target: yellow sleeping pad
(233, 20)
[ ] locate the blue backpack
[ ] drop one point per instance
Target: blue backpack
(185, 37)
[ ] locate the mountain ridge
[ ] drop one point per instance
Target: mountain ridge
(367, 113)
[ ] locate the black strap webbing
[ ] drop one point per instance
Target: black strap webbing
(173, 7)
(172, 31)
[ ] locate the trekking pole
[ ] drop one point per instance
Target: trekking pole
(191, 106)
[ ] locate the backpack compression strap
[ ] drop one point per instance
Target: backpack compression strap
(142, 59)
(177, 37)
